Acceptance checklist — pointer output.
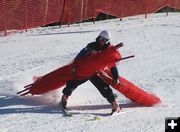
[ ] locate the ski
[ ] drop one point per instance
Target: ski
(109, 115)
(121, 112)
(65, 111)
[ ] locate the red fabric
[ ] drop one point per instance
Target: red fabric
(174, 4)
(132, 91)
(52, 80)
(86, 67)
(25, 14)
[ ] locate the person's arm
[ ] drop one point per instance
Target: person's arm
(84, 52)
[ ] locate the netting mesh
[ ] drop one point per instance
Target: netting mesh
(54, 11)
(174, 3)
(156, 5)
(134, 7)
(24, 14)
(2, 16)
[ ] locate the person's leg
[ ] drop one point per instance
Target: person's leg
(103, 88)
(106, 92)
(67, 91)
(71, 86)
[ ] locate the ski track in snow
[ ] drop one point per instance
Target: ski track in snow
(155, 42)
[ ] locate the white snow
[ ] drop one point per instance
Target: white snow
(156, 68)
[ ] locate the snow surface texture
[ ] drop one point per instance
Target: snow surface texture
(156, 68)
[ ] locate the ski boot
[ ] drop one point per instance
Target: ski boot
(64, 101)
(115, 108)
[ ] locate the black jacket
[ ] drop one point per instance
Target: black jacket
(96, 47)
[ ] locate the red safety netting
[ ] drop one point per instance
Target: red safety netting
(36, 13)
(134, 7)
(15, 17)
(78, 10)
(25, 14)
(2, 16)
(156, 5)
(54, 11)
(174, 3)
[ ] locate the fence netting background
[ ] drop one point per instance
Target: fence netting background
(26, 14)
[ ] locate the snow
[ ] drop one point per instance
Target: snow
(155, 68)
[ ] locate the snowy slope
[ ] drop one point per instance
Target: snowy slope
(156, 68)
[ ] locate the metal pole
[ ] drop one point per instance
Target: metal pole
(146, 6)
(82, 10)
(5, 18)
(122, 10)
(167, 8)
(26, 16)
(69, 12)
(94, 19)
(62, 14)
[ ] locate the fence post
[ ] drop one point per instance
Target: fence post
(69, 3)
(94, 12)
(146, 8)
(62, 14)
(45, 13)
(26, 16)
(82, 11)
(167, 8)
(122, 10)
(5, 17)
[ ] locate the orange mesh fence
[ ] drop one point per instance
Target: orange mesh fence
(108, 7)
(156, 5)
(54, 11)
(174, 3)
(2, 16)
(78, 10)
(73, 11)
(134, 7)
(36, 13)
(15, 17)
(25, 14)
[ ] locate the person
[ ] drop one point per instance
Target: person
(102, 42)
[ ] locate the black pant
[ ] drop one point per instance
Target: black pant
(102, 86)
